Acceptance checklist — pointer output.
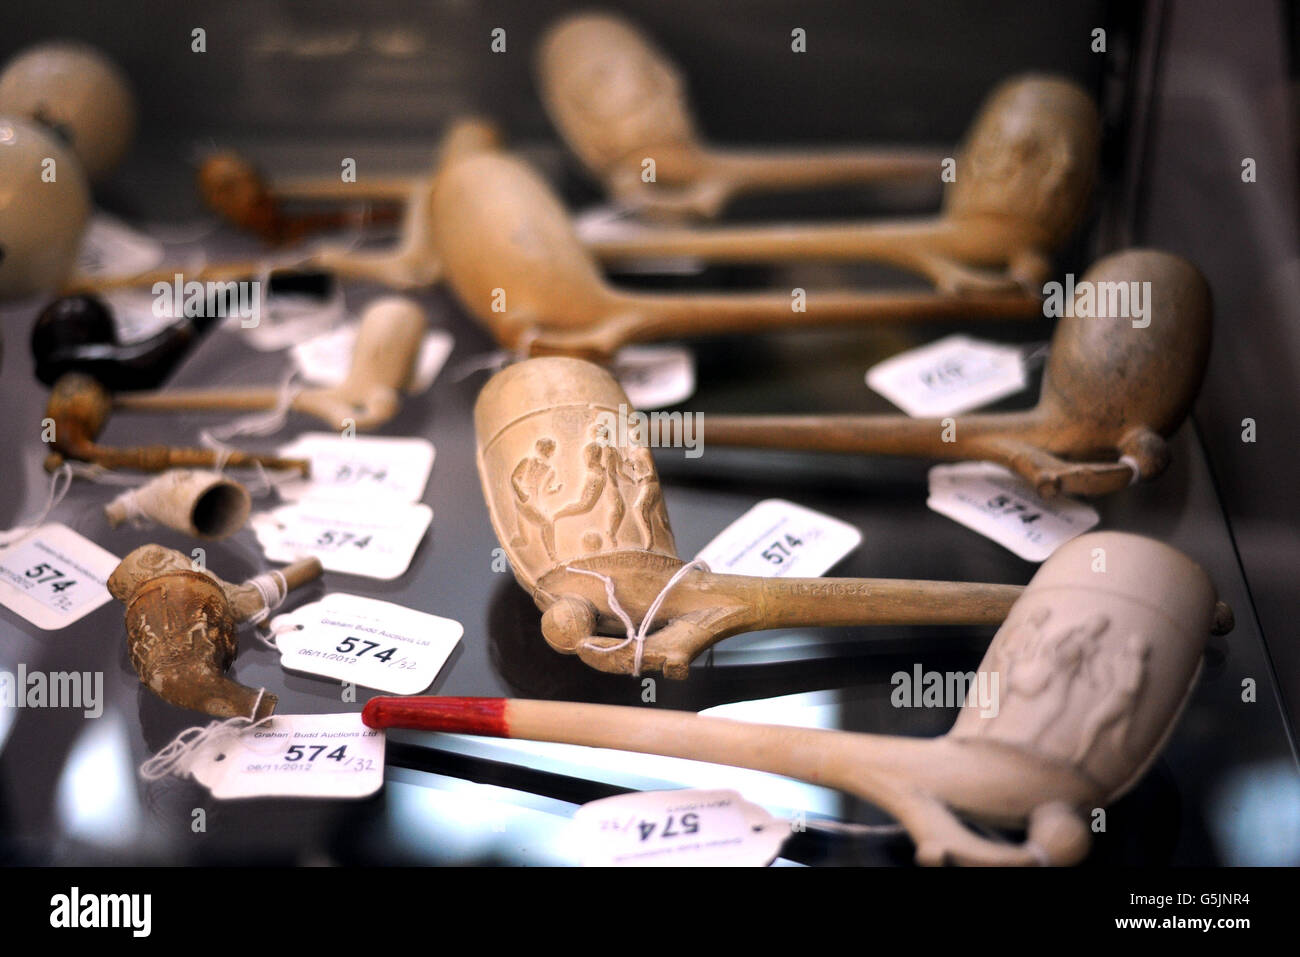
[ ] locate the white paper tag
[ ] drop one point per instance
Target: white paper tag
(52, 576)
(294, 755)
(109, 247)
(953, 375)
(677, 829)
(325, 360)
(367, 467)
(1001, 506)
(368, 642)
(365, 538)
(778, 539)
(655, 376)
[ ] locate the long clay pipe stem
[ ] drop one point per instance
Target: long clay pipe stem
(1114, 388)
(513, 259)
(1090, 673)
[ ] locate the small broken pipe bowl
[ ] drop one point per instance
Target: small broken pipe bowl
(383, 362)
(79, 408)
(41, 223)
(199, 503)
(181, 629)
(78, 93)
(1115, 387)
(514, 261)
(233, 188)
(574, 499)
(1088, 676)
(77, 334)
(1023, 180)
(617, 100)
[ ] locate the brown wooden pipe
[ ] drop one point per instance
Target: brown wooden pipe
(515, 262)
(235, 190)
(617, 100)
(570, 492)
(1023, 179)
(1089, 674)
(181, 629)
(1112, 392)
(383, 359)
(79, 408)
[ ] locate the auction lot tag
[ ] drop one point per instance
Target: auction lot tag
(368, 642)
(365, 538)
(689, 828)
(655, 376)
(777, 539)
(953, 375)
(294, 755)
(52, 576)
(326, 359)
(1001, 506)
(367, 467)
(109, 247)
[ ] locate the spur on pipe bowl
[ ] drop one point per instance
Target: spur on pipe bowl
(575, 501)
(1091, 669)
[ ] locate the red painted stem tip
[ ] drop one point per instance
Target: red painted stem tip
(486, 716)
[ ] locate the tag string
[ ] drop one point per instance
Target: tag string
(273, 588)
(635, 634)
(60, 482)
(176, 757)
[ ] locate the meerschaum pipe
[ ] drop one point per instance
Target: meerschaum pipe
(574, 498)
(1088, 674)
(79, 408)
(618, 101)
(181, 628)
(202, 504)
(1113, 389)
(383, 360)
(514, 260)
(1023, 178)
(234, 189)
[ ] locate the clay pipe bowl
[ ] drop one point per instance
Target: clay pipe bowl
(1089, 674)
(1113, 390)
(235, 189)
(575, 501)
(181, 626)
(617, 100)
(1023, 179)
(513, 259)
(383, 360)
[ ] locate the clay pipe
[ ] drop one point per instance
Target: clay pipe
(203, 504)
(617, 100)
(1113, 389)
(236, 191)
(515, 262)
(181, 627)
(79, 408)
(1088, 676)
(574, 499)
(383, 359)
(1023, 178)
(77, 334)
